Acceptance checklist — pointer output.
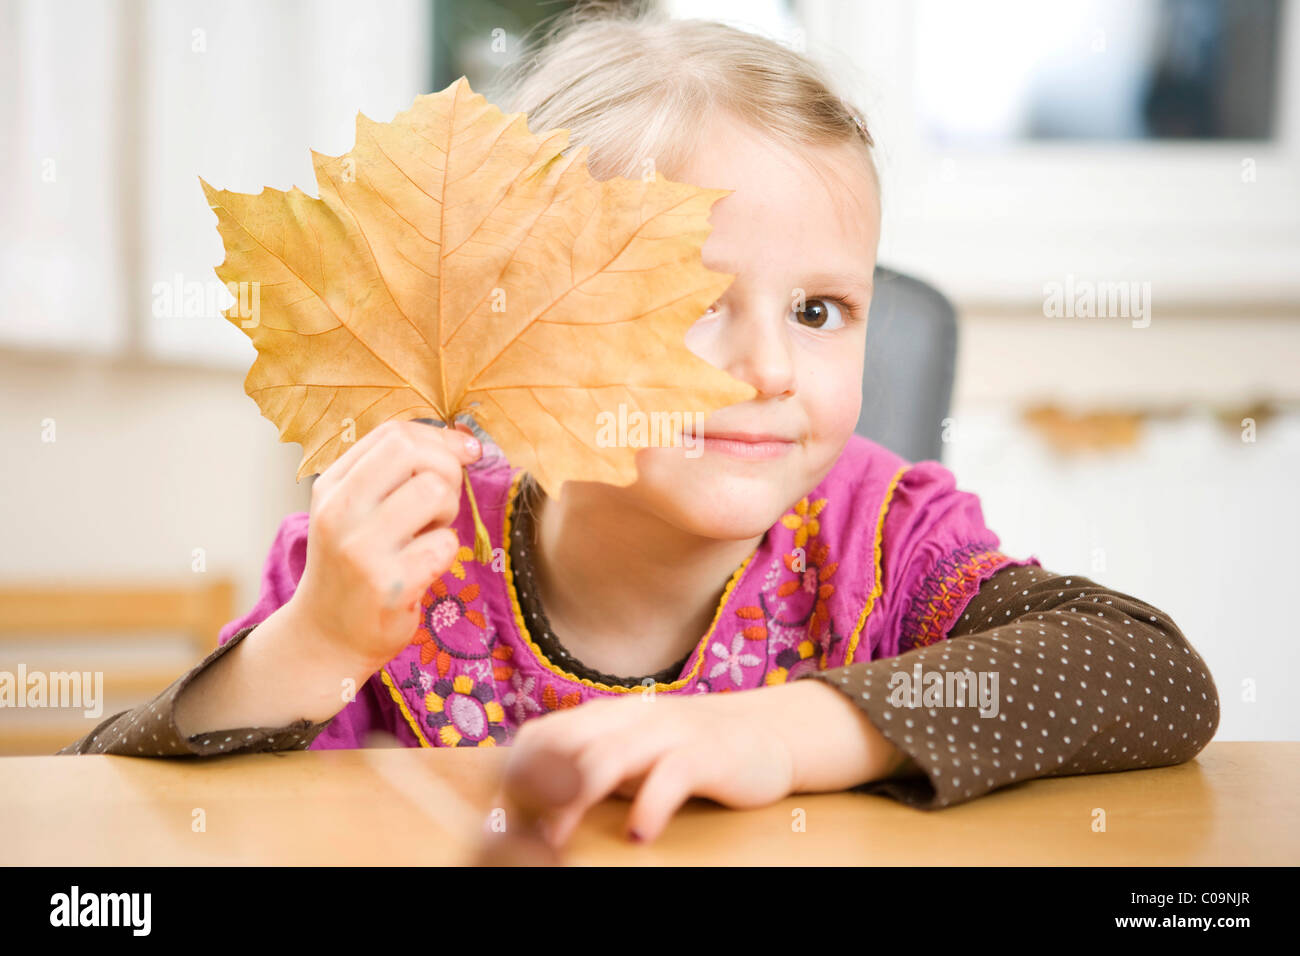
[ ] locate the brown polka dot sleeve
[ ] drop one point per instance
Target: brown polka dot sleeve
(1079, 679)
(150, 729)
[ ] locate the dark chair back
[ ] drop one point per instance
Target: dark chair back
(911, 356)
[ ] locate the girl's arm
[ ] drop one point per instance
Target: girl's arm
(334, 607)
(1088, 680)
(151, 730)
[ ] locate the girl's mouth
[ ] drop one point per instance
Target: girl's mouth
(750, 447)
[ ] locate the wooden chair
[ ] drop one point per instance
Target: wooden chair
(71, 614)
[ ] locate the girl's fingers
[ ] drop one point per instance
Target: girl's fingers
(629, 787)
(534, 784)
(569, 731)
(539, 781)
(344, 463)
(426, 557)
(425, 501)
(603, 766)
(399, 456)
(459, 439)
(348, 460)
(667, 786)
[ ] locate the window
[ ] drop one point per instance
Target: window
(61, 254)
(108, 242)
(993, 204)
(1096, 70)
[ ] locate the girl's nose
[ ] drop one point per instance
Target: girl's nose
(751, 347)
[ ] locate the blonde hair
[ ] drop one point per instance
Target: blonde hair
(632, 84)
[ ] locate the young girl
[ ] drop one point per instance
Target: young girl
(847, 588)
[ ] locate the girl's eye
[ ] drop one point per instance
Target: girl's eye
(822, 314)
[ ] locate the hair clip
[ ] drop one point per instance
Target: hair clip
(857, 120)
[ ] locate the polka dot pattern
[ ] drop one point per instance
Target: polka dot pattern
(1089, 681)
(150, 730)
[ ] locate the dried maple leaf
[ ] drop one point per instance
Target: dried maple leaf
(455, 264)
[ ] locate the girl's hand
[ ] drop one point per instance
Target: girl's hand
(378, 535)
(662, 749)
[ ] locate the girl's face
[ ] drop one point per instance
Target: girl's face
(800, 233)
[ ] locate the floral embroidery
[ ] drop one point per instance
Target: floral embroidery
(419, 679)
(465, 713)
(810, 561)
(475, 676)
(551, 699)
(463, 553)
(804, 520)
(450, 627)
(773, 573)
(519, 698)
(814, 579)
(945, 591)
(479, 670)
(431, 652)
(731, 660)
(503, 669)
(442, 609)
(793, 662)
(753, 631)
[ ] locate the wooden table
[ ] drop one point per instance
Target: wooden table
(1233, 805)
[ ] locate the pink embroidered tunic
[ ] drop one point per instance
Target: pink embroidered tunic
(883, 568)
(880, 557)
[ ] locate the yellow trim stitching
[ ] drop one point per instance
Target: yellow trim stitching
(877, 585)
(700, 648)
(401, 702)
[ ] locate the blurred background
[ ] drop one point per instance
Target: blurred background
(1030, 152)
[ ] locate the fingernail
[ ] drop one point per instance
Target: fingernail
(472, 445)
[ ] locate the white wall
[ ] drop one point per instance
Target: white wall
(1192, 519)
(148, 464)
